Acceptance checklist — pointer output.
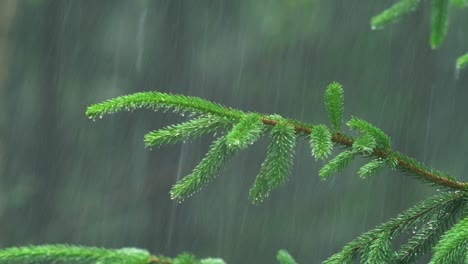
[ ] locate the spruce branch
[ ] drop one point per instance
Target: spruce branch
(421, 213)
(439, 22)
(248, 126)
(435, 215)
(75, 254)
(68, 254)
(453, 245)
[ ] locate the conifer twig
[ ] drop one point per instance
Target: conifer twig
(61, 253)
(404, 162)
(226, 116)
(77, 254)
(418, 214)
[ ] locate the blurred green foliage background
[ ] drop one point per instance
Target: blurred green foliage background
(66, 179)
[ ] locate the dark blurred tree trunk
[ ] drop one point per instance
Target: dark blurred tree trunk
(7, 14)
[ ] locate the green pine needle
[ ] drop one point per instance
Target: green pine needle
(440, 15)
(365, 143)
(372, 168)
(334, 100)
(336, 164)
(188, 130)
(157, 100)
(462, 62)
(453, 245)
(394, 13)
(205, 171)
(320, 142)
(246, 132)
(278, 163)
(284, 257)
(73, 254)
(366, 128)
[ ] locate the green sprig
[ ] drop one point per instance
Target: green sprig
(380, 250)
(334, 100)
(365, 144)
(155, 100)
(320, 142)
(394, 13)
(367, 128)
(278, 163)
(73, 254)
(372, 168)
(188, 130)
(205, 171)
(245, 133)
(337, 164)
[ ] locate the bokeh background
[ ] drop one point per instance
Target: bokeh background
(66, 179)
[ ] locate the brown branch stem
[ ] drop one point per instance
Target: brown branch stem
(347, 141)
(158, 260)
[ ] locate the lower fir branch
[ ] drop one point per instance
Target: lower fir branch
(428, 235)
(67, 254)
(417, 215)
(74, 254)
